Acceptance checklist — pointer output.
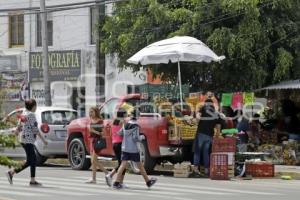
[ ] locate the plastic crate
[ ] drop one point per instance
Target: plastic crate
(224, 145)
(261, 169)
(188, 132)
(182, 132)
(219, 166)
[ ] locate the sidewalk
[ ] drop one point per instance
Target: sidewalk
(286, 170)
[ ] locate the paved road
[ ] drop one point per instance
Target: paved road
(64, 183)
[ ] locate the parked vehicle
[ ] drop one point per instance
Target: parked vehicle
(155, 149)
(52, 122)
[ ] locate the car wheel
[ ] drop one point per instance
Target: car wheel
(40, 160)
(77, 155)
(146, 159)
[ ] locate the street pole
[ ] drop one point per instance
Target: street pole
(100, 62)
(47, 91)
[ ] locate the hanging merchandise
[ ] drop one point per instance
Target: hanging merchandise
(237, 101)
(248, 98)
(226, 99)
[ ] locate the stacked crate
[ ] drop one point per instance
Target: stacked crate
(182, 132)
(182, 170)
(260, 169)
(222, 160)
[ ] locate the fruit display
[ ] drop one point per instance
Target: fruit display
(268, 137)
(182, 128)
(288, 153)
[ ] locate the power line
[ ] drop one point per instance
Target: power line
(60, 8)
(24, 2)
(50, 7)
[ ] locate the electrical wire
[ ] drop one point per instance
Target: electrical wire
(60, 8)
(52, 6)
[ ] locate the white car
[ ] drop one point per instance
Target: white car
(52, 122)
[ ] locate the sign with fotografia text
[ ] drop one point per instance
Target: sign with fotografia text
(63, 66)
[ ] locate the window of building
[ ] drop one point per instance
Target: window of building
(39, 30)
(16, 30)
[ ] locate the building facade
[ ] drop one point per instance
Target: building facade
(72, 55)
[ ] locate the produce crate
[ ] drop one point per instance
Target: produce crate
(188, 132)
(182, 132)
(260, 169)
(219, 166)
(224, 145)
(218, 170)
(182, 170)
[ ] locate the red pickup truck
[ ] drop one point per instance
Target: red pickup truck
(155, 149)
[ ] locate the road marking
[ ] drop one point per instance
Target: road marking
(43, 189)
(75, 186)
(96, 188)
(5, 198)
(70, 189)
(166, 190)
(18, 193)
(272, 185)
(195, 189)
(136, 189)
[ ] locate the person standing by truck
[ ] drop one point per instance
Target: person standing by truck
(130, 151)
(96, 131)
(209, 120)
(27, 131)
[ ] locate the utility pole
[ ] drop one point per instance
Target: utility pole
(100, 59)
(47, 90)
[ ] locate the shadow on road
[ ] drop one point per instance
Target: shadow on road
(55, 165)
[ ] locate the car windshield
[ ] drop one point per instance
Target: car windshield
(58, 117)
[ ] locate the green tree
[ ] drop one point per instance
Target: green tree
(6, 141)
(260, 38)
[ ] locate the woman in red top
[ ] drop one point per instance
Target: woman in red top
(117, 143)
(95, 130)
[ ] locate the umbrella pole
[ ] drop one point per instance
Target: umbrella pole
(180, 88)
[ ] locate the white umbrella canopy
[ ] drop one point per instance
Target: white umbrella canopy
(176, 49)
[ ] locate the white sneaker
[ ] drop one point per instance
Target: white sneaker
(124, 185)
(108, 180)
(91, 181)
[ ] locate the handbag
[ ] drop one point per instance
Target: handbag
(99, 144)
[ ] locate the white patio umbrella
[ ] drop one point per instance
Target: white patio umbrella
(176, 49)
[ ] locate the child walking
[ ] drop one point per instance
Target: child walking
(130, 152)
(117, 144)
(28, 131)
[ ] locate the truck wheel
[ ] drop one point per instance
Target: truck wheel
(77, 155)
(40, 160)
(149, 162)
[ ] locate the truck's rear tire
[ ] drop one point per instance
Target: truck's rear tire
(149, 162)
(77, 155)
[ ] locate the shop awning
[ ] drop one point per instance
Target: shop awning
(293, 84)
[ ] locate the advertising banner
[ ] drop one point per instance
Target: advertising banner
(63, 66)
(14, 86)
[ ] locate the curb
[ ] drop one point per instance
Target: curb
(293, 175)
